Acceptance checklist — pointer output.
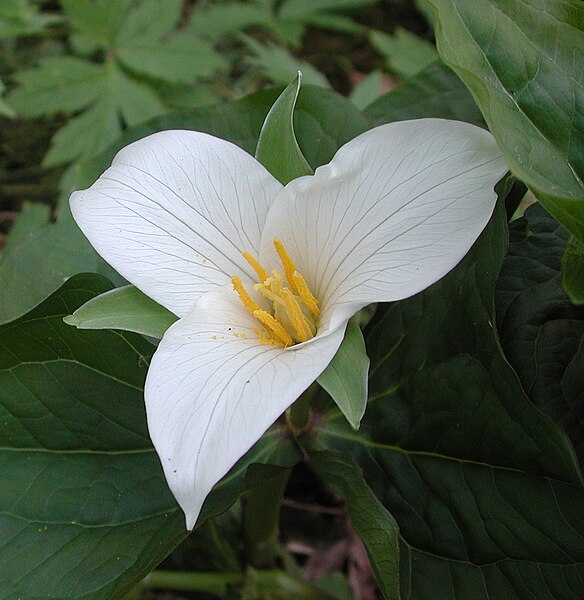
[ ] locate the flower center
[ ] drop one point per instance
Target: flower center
(294, 310)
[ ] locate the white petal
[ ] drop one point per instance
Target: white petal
(394, 211)
(174, 212)
(213, 389)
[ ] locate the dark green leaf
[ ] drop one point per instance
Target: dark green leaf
(434, 92)
(345, 379)
(573, 271)
(522, 63)
(370, 519)
(84, 508)
(125, 308)
(459, 455)
(542, 332)
(277, 147)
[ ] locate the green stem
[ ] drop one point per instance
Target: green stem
(298, 415)
(262, 519)
(275, 582)
(211, 583)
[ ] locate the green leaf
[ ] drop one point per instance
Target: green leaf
(20, 17)
(174, 60)
(372, 522)
(125, 308)
(5, 109)
(148, 21)
(120, 98)
(38, 264)
(86, 135)
(59, 84)
(277, 147)
(33, 216)
(215, 20)
(298, 9)
(542, 332)
(434, 92)
(368, 90)
(405, 53)
(573, 271)
(279, 65)
(97, 20)
(459, 455)
(522, 63)
(345, 379)
(83, 491)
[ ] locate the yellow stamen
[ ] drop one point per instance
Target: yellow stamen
(244, 296)
(297, 317)
(287, 263)
(274, 327)
(305, 293)
(255, 264)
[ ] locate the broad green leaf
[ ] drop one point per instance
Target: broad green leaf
(84, 508)
(215, 20)
(434, 92)
(573, 271)
(59, 84)
(277, 147)
(33, 216)
(125, 308)
(86, 135)
(522, 63)
(484, 487)
(405, 53)
(371, 521)
(279, 65)
(98, 20)
(120, 98)
(368, 90)
(345, 379)
(147, 21)
(136, 101)
(542, 332)
(20, 17)
(41, 262)
(174, 59)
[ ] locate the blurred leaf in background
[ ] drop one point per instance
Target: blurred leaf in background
(134, 47)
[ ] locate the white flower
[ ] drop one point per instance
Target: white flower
(187, 217)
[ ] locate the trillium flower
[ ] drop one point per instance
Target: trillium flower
(264, 277)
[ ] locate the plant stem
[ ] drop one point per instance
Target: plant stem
(211, 583)
(275, 582)
(262, 519)
(298, 415)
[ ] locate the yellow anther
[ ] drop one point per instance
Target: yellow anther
(274, 327)
(245, 298)
(287, 263)
(299, 321)
(255, 264)
(305, 294)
